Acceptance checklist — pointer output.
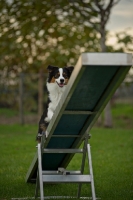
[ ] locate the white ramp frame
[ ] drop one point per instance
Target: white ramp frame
(63, 175)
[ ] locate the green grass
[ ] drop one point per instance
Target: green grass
(8, 112)
(112, 153)
(17, 149)
(112, 156)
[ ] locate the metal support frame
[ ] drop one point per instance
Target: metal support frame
(65, 176)
(39, 181)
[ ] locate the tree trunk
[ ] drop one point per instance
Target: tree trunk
(108, 116)
(107, 111)
(102, 41)
(21, 98)
(40, 93)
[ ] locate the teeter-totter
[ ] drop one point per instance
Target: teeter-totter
(94, 80)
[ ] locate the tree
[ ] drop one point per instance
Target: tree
(37, 33)
(124, 41)
(34, 34)
(102, 8)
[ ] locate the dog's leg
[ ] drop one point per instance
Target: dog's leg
(42, 127)
(49, 116)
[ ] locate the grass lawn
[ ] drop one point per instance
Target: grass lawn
(112, 156)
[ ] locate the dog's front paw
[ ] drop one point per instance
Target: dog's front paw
(47, 120)
(49, 116)
(38, 138)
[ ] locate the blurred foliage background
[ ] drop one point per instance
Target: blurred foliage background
(34, 34)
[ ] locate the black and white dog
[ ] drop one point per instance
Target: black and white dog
(56, 85)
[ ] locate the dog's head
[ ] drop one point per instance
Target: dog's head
(59, 76)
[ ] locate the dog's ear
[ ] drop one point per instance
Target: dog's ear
(51, 68)
(70, 69)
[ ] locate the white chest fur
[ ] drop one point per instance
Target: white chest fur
(55, 93)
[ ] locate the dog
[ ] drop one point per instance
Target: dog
(56, 85)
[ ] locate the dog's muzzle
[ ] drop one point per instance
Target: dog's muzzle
(62, 83)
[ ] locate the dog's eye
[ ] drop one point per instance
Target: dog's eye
(65, 76)
(56, 75)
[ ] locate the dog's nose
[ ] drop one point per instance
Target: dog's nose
(62, 80)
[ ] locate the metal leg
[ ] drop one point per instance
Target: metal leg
(37, 186)
(88, 178)
(40, 172)
(91, 172)
(83, 164)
